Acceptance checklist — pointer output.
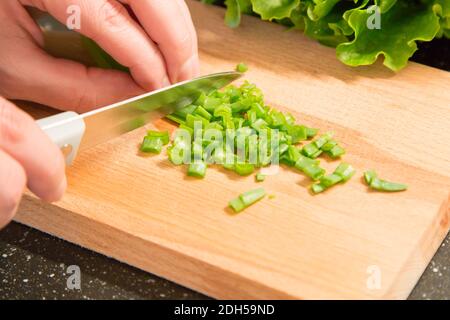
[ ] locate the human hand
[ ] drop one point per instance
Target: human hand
(160, 49)
(27, 157)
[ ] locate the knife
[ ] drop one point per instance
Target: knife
(73, 132)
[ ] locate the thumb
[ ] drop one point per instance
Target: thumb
(69, 85)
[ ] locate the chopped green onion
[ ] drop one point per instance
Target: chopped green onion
(157, 134)
(382, 185)
(317, 188)
(244, 169)
(330, 180)
(197, 169)
(242, 67)
(303, 162)
(260, 177)
(321, 141)
(250, 197)
(369, 176)
(152, 145)
(310, 150)
(342, 174)
(237, 205)
(298, 133)
(314, 172)
(345, 171)
(247, 199)
(203, 113)
(336, 152)
(311, 132)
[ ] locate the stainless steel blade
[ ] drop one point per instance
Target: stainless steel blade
(112, 121)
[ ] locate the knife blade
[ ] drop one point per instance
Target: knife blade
(109, 122)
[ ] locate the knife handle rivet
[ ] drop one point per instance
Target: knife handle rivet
(66, 150)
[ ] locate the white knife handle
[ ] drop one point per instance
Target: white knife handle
(68, 136)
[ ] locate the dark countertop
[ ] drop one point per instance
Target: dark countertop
(33, 265)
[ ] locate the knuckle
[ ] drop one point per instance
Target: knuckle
(113, 16)
(186, 43)
(11, 126)
(85, 98)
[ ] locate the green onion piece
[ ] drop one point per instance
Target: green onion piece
(310, 149)
(329, 145)
(316, 154)
(345, 171)
(247, 199)
(330, 180)
(197, 169)
(303, 162)
(369, 176)
(298, 133)
(176, 119)
(242, 67)
(317, 188)
(272, 196)
(182, 113)
(294, 154)
(202, 112)
(314, 172)
(311, 133)
(210, 103)
(382, 185)
(250, 197)
(336, 152)
(259, 125)
(323, 140)
(244, 169)
(260, 177)
(237, 205)
(152, 145)
(165, 137)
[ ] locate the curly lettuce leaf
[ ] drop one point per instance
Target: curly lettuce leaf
(321, 8)
(402, 25)
(274, 9)
(343, 24)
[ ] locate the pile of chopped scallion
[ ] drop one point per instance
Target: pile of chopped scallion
(234, 128)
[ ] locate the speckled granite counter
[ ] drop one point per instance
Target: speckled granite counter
(33, 265)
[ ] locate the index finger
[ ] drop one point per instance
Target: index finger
(108, 23)
(169, 24)
(24, 141)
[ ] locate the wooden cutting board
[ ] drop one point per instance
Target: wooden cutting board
(341, 244)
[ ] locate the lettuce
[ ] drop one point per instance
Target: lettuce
(344, 24)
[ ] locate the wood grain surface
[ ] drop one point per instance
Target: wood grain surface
(147, 213)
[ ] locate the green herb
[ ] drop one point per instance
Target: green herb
(197, 169)
(247, 199)
(341, 174)
(165, 137)
(240, 115)
(382, 185)
(244, 169)
(242, 67)
(260, 177)
(152, 145)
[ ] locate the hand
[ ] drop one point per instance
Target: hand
(160, 49)
(27, 157)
